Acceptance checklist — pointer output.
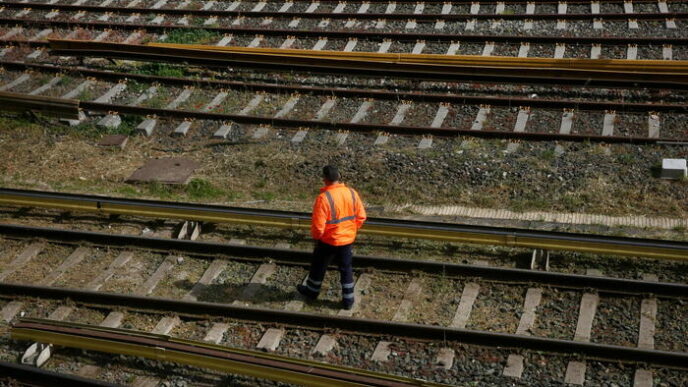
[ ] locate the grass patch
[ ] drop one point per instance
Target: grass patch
(160, 70)
(202, 189)
(196, 36)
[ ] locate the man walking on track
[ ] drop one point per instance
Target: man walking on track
(338, 213)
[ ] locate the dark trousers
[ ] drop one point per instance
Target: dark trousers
(322, 256)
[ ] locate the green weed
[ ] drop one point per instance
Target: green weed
(202, 189)
(195, 36)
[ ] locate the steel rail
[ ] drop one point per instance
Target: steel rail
(205, 355)
(349, 324)
(512, 237)
(404, 37)
(347, 66)
(57, 107)
(424, 17)
(32, 376)
(290, 257)
(476, 77)
(459, 99)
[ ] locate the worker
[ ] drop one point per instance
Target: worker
(338, 213)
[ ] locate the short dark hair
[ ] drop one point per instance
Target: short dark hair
(331, 173)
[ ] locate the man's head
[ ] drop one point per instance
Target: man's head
(330, 174)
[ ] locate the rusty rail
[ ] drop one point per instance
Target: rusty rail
(56, 107)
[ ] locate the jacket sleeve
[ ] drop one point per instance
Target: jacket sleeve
(319, 218)
(360, 211)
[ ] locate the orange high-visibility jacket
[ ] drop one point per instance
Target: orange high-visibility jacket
(337, 214)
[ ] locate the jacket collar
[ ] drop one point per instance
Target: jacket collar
(331, 186)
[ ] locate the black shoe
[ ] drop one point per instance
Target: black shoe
(347, 304)
(304, 291)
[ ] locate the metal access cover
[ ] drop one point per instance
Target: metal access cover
(167, 171)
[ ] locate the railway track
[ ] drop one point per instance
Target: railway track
(496, 306)
(305, 107)
(212, 14)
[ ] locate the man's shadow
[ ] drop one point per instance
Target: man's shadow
(249, 292)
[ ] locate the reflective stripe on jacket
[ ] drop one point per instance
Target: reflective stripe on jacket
(337, 214)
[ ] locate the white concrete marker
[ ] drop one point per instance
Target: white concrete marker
(671, 23)
(597, 24)
(362, 111)
(419, 47)
(133, 18)
(350, 45)
(14, 31)
(632, 52)
(234, 5)
(523, 50)
(16, 82)
(425, 142)
(41, 89)
(575, 371)
(340, 7)
(286, 6)
(365, 6)
(667, 52)
(401, 113)
(453, 48)
(294, 22)
(225, 40)
(288, 106)
(595, 7)
(210, 21)
(411, 24)
(559, 50)
(381, 139)
(595, 51)
(325, 109)
(260, 132)
(299, 136)
(628, 6)
(480, 118)
(470, 24)
(252, 104)
(391, 7)
(288, 42)
(224, 130)
(111, 93)
(633, 24)
(663, 6)
(259, 6)
(441, 114)
(488, 49)
(527, 24)
(653, 125)
(159, 4)
(463, 310)
(320, 44)
(608, 123)
(147, 126)
(312, 7)
(475, 8)
(384, 46)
